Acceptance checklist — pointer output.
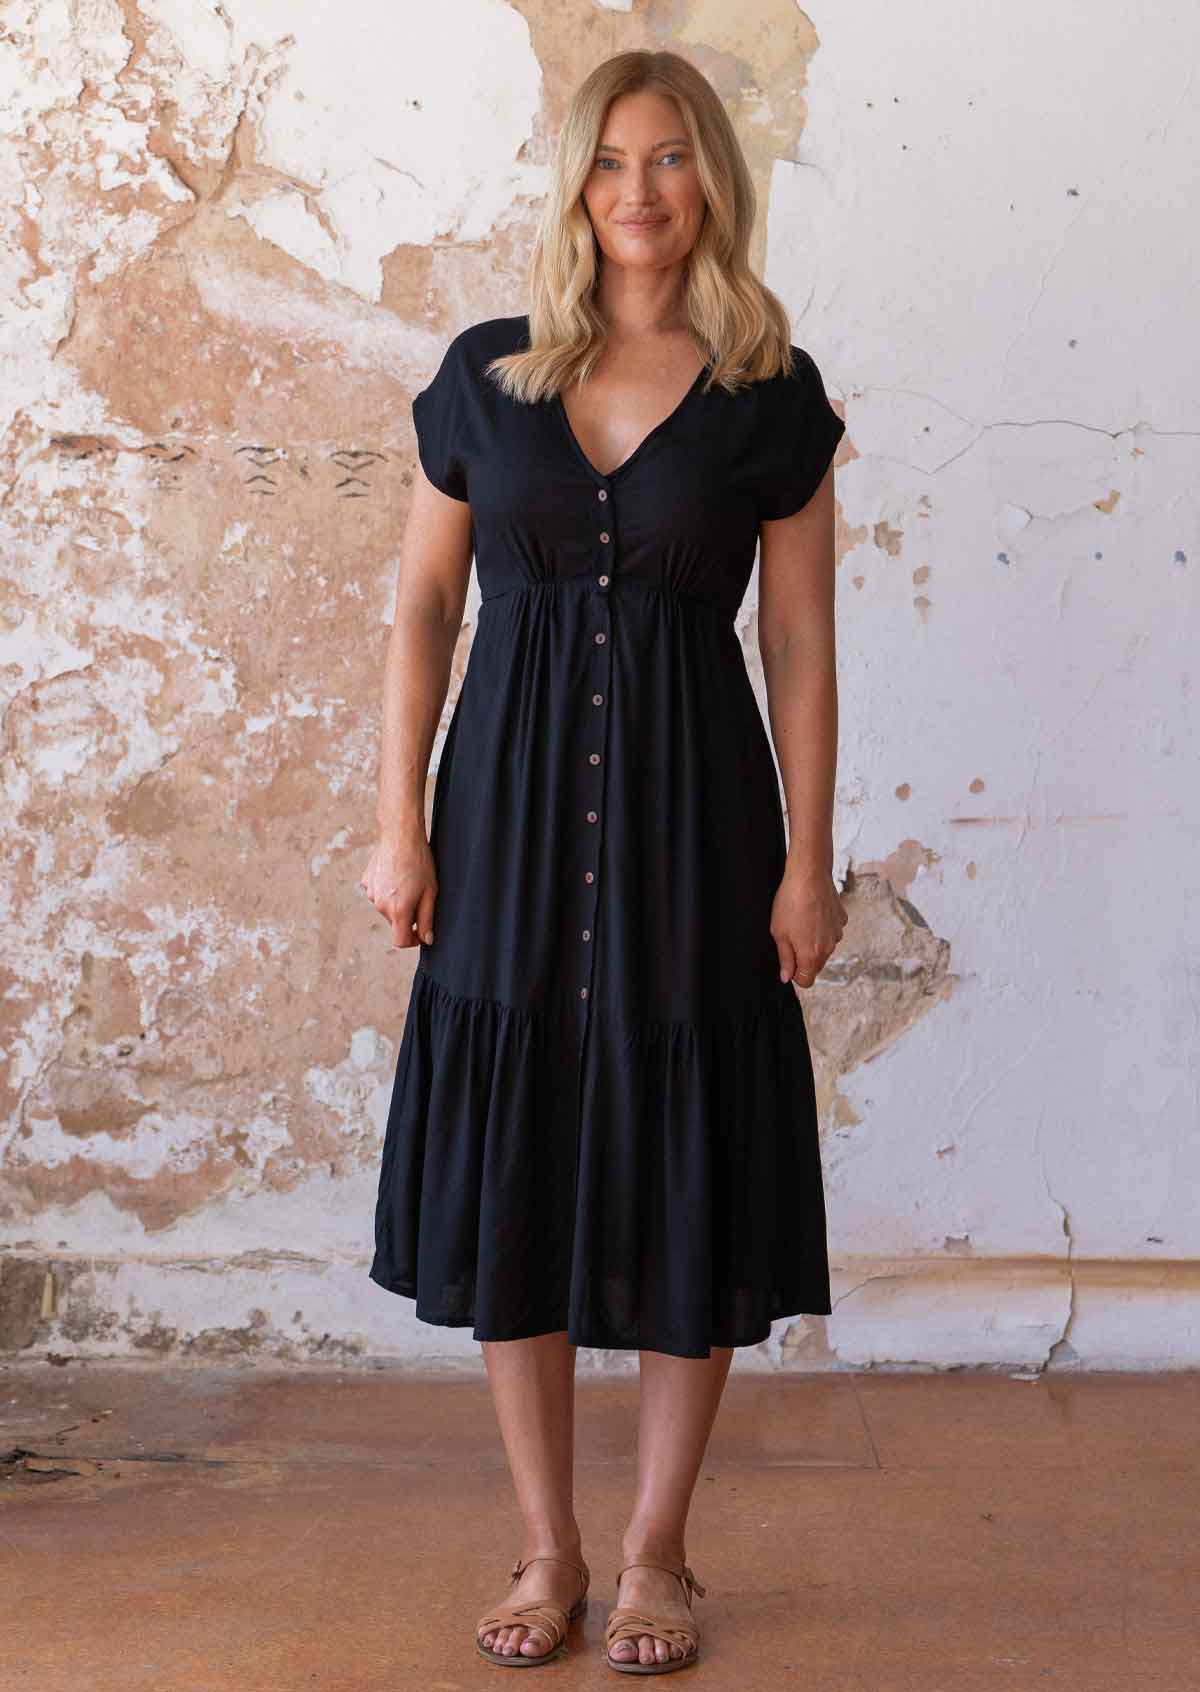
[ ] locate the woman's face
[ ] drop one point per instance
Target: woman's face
(642, 194)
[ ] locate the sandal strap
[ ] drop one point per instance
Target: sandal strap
(582, 1569)
(540, 1613)
(628, 1623)
(681, 1572)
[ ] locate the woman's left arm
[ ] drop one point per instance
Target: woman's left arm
(798, 649)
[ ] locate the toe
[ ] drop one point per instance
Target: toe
(625, 1650)
(535, 1644)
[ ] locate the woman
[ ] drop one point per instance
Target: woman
(603, 1129)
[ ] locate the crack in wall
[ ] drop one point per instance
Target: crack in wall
(1060, 1350)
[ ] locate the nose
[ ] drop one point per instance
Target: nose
(639, 184)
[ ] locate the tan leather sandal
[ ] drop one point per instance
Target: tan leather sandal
(626, 1622)
(542, 1614)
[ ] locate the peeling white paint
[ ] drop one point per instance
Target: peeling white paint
(357, 1091)
(1022, 448)
(338, 843)
(380, 141)
(161, 1144)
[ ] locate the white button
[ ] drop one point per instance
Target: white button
(604, 534)
(597, 699)
(583, 992)
(600, 638)
(593, 757)
(587, 934)
(603, 580)
(591, 816)
(588, 876)
(603, 494)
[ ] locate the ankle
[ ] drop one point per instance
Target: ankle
(661, 1547)
(564, 1541)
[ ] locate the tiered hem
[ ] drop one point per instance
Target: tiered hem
(652, 1185)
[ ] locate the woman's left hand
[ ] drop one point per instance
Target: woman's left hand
(807, 919)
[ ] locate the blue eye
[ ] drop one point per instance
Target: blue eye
(610, 161)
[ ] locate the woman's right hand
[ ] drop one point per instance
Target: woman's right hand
(401, 882)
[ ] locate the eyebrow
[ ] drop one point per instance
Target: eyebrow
(671, 141)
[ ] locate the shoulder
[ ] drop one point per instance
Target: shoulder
(795, 397)
(799, 434)
(459, 386)
(473, 347)
(802, 378)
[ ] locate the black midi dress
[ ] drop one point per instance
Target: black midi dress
(603, 1118)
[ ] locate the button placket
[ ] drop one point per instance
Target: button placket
(593, 755)
(606, 541)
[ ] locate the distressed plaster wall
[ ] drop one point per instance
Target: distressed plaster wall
(237, 237)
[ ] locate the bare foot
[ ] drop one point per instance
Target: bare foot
(544, 1578)
(659, 1593)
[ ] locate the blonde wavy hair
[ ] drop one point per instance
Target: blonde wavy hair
(737, 321)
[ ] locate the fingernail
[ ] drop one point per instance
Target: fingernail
(783, 975)
(429, 938)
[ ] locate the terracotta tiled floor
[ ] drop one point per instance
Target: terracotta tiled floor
(203, 1529)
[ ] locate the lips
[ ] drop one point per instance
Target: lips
(641, 222)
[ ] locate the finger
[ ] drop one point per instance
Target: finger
(808, 970)
(425, 915)
(787, 959)
(402, 926)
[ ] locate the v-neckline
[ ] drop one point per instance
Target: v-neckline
(607, 475)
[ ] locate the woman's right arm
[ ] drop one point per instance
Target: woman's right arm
(431, 593)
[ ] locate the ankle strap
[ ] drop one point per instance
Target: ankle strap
(519, 1567)
(680, 1571)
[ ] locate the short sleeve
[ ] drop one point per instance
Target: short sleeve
(437, 416)
(800, 435)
